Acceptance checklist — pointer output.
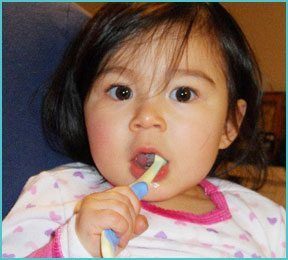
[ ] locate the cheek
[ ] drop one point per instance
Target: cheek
(101, 136)
(98, 134)
(200, 143)
(107, 137)
(201, 134)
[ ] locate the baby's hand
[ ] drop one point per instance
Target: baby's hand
(117, 209)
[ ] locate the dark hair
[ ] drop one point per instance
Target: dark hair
(113, 26)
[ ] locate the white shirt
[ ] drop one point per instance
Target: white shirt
(243, 223)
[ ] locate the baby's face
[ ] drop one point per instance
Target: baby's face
(130, 112)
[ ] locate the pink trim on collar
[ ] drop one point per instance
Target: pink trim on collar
(220, 213)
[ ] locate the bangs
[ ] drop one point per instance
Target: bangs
(170, 38)
(120, 31)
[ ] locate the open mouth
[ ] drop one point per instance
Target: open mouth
(142, 161)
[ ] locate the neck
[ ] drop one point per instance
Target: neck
(192, 201)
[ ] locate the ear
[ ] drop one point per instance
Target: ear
(231, 130)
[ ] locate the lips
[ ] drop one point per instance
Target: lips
(142, 160)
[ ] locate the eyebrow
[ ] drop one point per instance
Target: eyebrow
(186, 72)
(116, 69)
(195, 73)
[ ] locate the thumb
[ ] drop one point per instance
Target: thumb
(141, 224)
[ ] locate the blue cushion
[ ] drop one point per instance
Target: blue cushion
(34, 38)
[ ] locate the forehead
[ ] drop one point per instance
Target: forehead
(166, 50)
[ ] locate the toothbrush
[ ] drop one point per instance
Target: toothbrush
(109, 240)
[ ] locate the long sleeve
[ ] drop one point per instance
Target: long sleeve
(52, 249)
(64, 243)
(37, 214)
(42, 222)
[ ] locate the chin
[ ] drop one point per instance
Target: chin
(157, 194)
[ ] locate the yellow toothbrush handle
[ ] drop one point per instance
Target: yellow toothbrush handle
(109, 240)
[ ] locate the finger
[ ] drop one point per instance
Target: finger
(110, 194)
(117, 200)
(119, 224)
(121, 208)
(141, 225)
(113, 199)
(90, 226)
(124, 193)
(112, 220)
(127, 191)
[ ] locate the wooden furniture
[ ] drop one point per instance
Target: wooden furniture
(274, 187)
(273, 108)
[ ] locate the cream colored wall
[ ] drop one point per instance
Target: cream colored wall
(264, 27)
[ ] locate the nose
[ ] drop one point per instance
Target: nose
(147, 116)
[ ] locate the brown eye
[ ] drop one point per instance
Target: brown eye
(120, 92)
(183, 94)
